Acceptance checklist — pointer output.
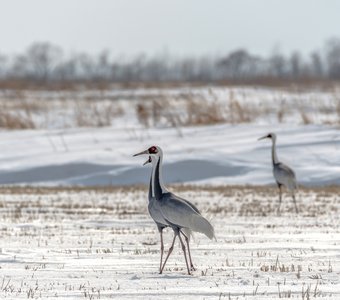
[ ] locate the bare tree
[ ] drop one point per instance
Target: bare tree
(295, 64)
(44, 62)
(333, 58)
(278, 64)
(66, 70)
(317, 65)
(42, 58)
(206, 70)
(19, 67)
(238, 64)
(3, 66)
(85, 66)
(102, 66)
(187, 69)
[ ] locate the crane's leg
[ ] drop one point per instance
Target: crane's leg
(280, 198)
(296, 208)
(160, 229)
(187, 242)
(185, 255)
(169, 252)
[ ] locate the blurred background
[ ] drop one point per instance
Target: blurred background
(80, 82)
(225, 42)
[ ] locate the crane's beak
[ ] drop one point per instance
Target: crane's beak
(262, 138)
(141, 153)
(148, 161)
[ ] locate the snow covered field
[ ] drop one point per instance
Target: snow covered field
(61, 151)
(61, 238)
(219, 154)
(101, 244)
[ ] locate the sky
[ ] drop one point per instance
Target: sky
(179, 27)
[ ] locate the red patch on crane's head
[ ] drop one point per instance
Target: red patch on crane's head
(153, 150)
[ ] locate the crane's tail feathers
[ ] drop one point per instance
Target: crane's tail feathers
(210, 218)
(202, 225)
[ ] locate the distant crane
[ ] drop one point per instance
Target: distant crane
(178, 213)
(283, 174)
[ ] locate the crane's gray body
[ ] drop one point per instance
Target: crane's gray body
(284, 175)
(155, 206)
(180, 214)
(177, 212)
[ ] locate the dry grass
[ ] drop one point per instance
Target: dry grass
(225, 190)
(304, 117)
(19, 111)
(196, 109)
(337, 105)
(16, 112)
(89, 114)
(238, 113)
(199, 111)
(15, 121)
(143, 114)
(96, 108)
(192, 110)
(281, 113)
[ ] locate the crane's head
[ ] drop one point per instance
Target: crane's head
(268, 136)
(152, 151)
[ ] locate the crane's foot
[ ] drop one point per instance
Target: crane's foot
(192, 268)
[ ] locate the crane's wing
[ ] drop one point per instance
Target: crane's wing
(180, 213)
(193, 206)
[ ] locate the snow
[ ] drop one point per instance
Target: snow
(60, 153)
(99, 243)
(218, 154)
(93, 244)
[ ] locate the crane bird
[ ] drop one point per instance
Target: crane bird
(154, 206)
(155, 213)
(178, 213)
(283, 174)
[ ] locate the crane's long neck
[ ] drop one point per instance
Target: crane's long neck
(150, 188)
(274, 155)
(158, 186)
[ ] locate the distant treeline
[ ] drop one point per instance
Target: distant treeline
(44, 63)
